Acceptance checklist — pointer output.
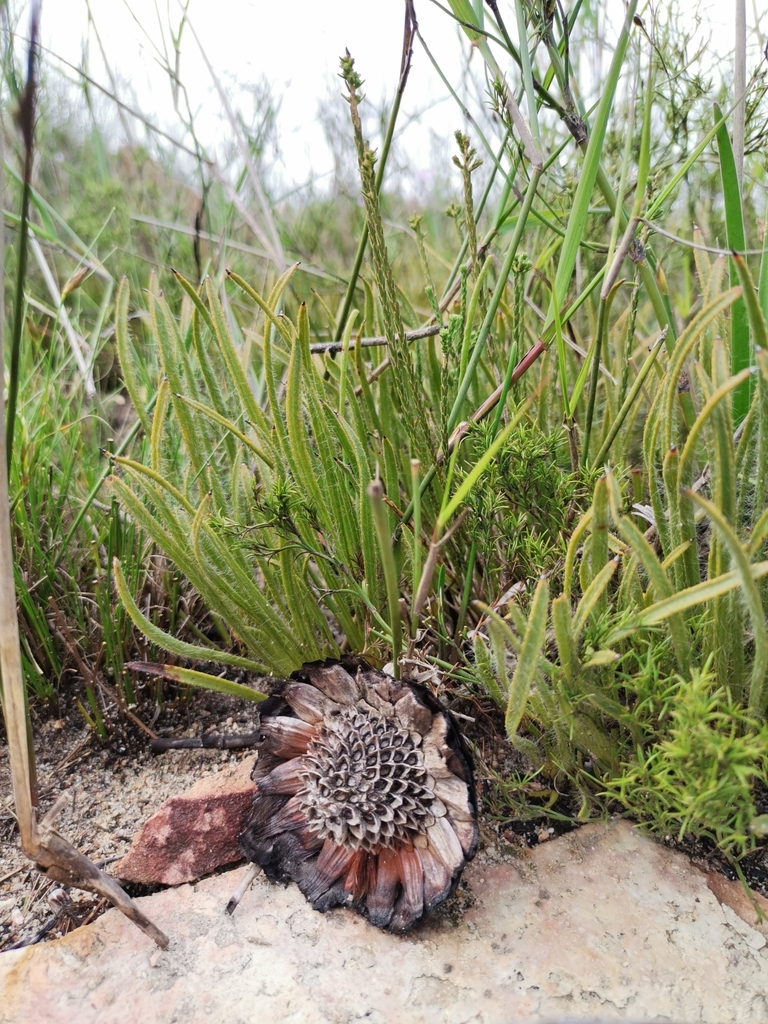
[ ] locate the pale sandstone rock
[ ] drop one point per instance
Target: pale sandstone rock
(193, 834)
(602, 924)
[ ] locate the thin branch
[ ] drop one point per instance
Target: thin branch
(695, 245)
(245, 883)
(210, 742)
(338, 346)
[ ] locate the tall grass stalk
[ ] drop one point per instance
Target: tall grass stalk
(50, 852)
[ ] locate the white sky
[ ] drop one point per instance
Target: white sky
(296, 45)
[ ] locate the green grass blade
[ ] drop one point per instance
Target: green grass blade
(588, 177)
(127, 355)
(564, 637)
(170, 643)
(481, 465)
(592, 596)
(687, 340)
(691, 597)
(630, 400)
(376, 494)
(762, 288)
(757, 315)
(658, 579)
(598, 554)
(757, 694)
(528, 659)
(189, 677)
(734, 228)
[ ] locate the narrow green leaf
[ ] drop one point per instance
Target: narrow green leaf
(690, 336)
(761, 448)
(303, 461)
(222, 421)
(417, 543)
(592, 596)
(137, 470)
(347, 334)
(684, 600)
(528, 659)
(755, 312)
(482, 464)
(630, 400)
(762, 288)
(498, 645)
(757, 695)
(366, 527)
(563, 627)
(175, 362)
(232, 361)
(722, 455)
(170, 643)
(689, 450)
(189, 677)
(469, 319)
(656, 574)
(376, 494)
(485, 671)
(127, 354)
(599, 548)
(734, 229)
(572, 550)
(157, 427)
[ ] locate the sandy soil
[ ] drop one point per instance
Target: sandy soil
(115, 786)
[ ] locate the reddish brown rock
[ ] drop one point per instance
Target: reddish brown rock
(743, 903)
(193, 834)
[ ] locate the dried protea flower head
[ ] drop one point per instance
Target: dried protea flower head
(364, 793)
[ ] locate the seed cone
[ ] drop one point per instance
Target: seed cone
(365, 796)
